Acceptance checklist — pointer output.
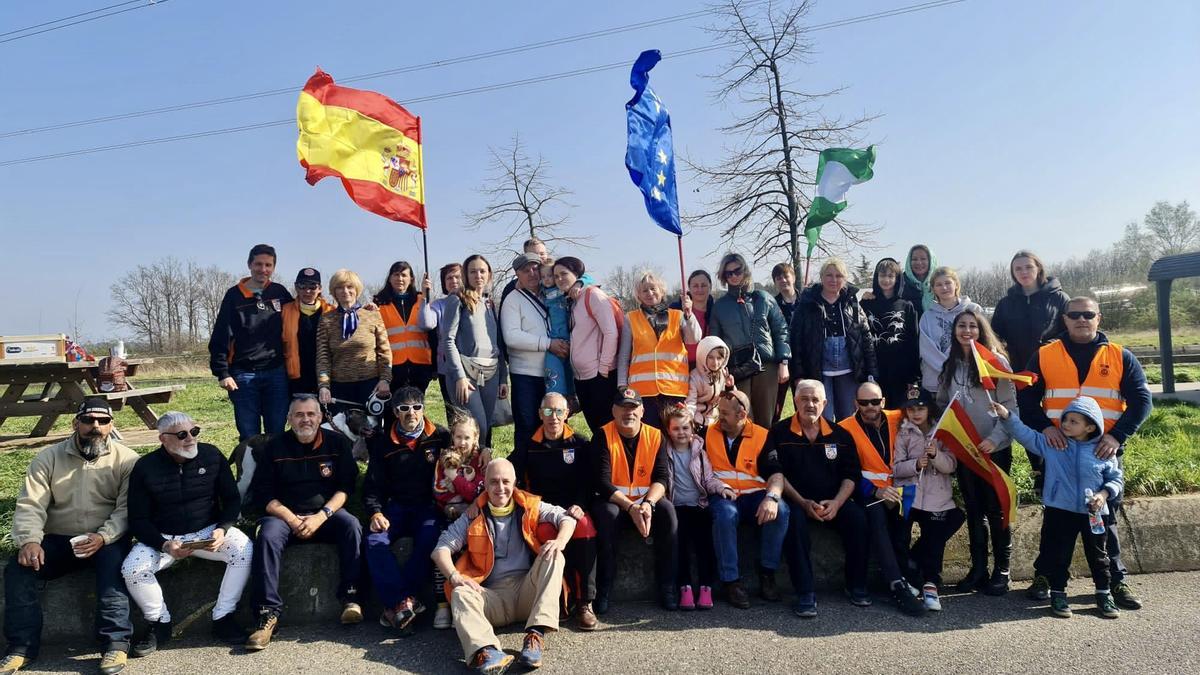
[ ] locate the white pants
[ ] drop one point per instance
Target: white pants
(143, 563)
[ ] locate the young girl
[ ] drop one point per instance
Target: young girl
(558, 369)
(921, 461)
(692, 481)
(709, 378)
(457, 481)
(935, 336)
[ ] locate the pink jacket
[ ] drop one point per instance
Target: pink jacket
(936, 490)
(704, 386)
(594, 342)
(701, 470)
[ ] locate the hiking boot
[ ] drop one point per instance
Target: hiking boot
(531, 650)
(767, 587)
(1124, 596)
(442, 618)
(156, 635)
(1058, 604)
(859, 597)
(998, 584)
(14, 662)
(1039, 589)
(226, 629)
(929, 595)
(1107, 606)
(351, 614)
(586, 617)
(491, 661)
(706, 600)
(113, 662)
(268, 622)
(737, 595)
(687, 600)
(805, 606)
(906, 601)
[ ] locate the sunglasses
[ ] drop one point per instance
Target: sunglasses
(308, 287)
(870, 401)
(558, 413)
(730, 396)
(415, 407)
(736, 272)
(182, 435)
(95, 421)
(1081, 315)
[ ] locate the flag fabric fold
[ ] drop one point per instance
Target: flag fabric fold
(990, 368)
(837, 170)
(650, 153)
(368, 141)
(908, 494)
(957, 433)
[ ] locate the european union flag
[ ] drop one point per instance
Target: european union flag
(650, 155)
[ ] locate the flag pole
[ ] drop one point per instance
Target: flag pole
(683, 289)
(421, 184)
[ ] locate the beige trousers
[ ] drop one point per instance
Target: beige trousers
(533, 598)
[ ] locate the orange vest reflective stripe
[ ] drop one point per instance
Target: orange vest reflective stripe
(743, 476)
(1103, 381)
(635, 485)
(291, 329)
(659, 363)
(479, 553)
(873, 467)
(409, 343)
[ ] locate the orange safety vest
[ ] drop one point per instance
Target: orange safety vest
(743, 477)
(291, 328)
(635, 485)
(409, 343)
(873, 467)
(1103, 381)
(479, 553)
(659, 363)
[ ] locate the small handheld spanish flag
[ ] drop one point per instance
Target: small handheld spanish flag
(960, 436)
(368, 141)
(991, 367)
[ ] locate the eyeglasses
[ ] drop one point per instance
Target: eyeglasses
(95, 421)
(558, 413)
(182, 435)
(870, 401)
(415, 407)
(308, 287)
(736, 272)
(1081, 315)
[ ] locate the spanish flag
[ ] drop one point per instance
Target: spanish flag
(991, 367)
(957, 433)
(368, 141)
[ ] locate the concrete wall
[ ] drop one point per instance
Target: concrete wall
(1158, 535)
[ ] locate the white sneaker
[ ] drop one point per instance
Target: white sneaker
(932, 602)
(443, 619)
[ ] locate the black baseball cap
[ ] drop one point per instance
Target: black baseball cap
(308, 275)
(94, 405)
(627, 396)
(917, 397)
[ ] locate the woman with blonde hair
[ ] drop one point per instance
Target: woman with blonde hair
(935, 330)
(354, 358)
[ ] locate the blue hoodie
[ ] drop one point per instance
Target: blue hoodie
(1071, 471)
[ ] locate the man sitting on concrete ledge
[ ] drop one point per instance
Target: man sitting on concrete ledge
(497, 579)
(70, 514)
(306, 475)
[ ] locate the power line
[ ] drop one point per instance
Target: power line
(474, 90)
(76, 23)
(68, 18)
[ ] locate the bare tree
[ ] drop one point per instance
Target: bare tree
(168, 305)
(621, 283)
(759, 192)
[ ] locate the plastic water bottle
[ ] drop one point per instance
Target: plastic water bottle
(1095, 518)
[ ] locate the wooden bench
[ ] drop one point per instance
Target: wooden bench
(140, 400)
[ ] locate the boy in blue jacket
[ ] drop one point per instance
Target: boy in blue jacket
(1070, 473)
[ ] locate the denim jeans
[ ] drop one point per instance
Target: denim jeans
(392, 583)
(526, 395)
(840, 392)
(726, 516)
(260, 402)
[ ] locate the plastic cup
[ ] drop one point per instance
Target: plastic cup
(76, 541)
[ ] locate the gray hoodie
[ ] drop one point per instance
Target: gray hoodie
(936, 337)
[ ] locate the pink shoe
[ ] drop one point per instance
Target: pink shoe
(705, 598)
(686, 601)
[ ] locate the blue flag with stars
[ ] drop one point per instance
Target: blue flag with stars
(650, 155)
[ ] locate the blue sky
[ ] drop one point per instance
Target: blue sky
(1002, 125)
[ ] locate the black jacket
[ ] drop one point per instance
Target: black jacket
(808, 335)
(304, 477)
(558, 471)
(172, 498)
(401, 470)
(1025, 322)
(247, 336)
(893, 329)
(815, 469)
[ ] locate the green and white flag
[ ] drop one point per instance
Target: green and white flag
(837, 170)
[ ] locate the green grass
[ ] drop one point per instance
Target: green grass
(1182, 374)
(1180, 335)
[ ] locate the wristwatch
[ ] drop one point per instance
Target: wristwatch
(773, 497)
(327, 511)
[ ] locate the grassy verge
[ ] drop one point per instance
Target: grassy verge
(1182, 374)
(1180, 335)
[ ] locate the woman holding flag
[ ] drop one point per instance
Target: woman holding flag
(960, 377)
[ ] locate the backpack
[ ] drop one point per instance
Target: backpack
(615, 306)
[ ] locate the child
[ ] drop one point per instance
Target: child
(692, 481)
(921, 461)
(457, 481)
(559, 378)
(709, 378)
(1070, 475)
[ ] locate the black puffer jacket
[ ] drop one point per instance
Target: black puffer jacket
(808, 335)
(1025, 322)
(168, 497)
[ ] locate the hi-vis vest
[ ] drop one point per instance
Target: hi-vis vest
(874, 468)
(479, 553)
(1103, 381)
(633, 484)
(291, 330)
(742, 476)
(409, 343)
(659, 363)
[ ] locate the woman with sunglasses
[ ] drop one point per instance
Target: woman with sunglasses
(470, 332)
(960, 377)
(753, 326)
(451, 276)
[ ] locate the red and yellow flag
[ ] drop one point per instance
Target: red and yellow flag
(957, 433)
(368, 141)
(991, 367)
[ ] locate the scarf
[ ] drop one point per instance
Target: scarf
(657, 316)
(927, 299)
(501, 511)
(349, 320)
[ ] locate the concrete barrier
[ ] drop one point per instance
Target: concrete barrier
(1157, 535)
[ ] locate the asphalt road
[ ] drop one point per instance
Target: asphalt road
(972, 634)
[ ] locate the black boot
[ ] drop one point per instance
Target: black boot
(157, 634)
(977, 537)
(668, 597)
(1002, 550)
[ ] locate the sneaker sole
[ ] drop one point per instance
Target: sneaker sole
(1062, 615)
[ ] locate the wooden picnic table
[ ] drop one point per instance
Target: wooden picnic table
(50, 389)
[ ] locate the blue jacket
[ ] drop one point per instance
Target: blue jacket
(1071, 471)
